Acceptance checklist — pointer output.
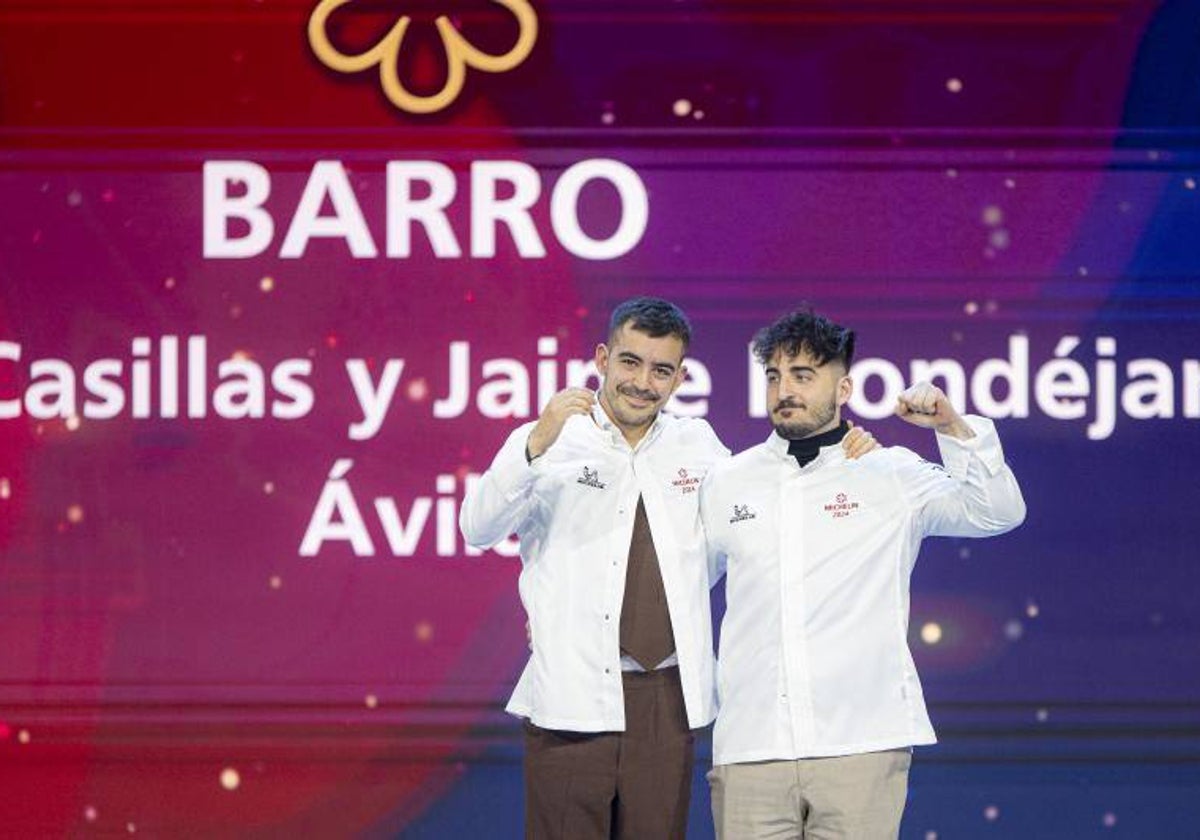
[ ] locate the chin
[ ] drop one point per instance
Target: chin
(641, 417)
(793, 432)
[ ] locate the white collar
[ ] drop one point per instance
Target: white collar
(605, 424)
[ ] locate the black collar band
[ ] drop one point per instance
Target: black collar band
(807, 449)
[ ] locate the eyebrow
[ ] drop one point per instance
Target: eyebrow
(801, 369)
(626, 354)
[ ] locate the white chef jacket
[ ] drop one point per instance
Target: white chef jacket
(573, 509)
(814, 658)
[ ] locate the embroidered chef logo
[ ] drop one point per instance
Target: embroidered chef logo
(591, 478)
(841, 507)
(685, 483)
(933, 466)
(461, 54)
(741, 513)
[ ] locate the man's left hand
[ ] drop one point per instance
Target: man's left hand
(927, 405)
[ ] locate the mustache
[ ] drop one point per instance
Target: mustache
(788, 402)
(637, 393)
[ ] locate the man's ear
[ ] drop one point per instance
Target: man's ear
(845, 389)
(680, 375)
(601, 358)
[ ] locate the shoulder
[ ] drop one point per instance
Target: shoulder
(748, 461)
(694, 433)
(887, 457)
(891, 460)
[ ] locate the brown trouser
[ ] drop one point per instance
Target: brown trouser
(634, 784)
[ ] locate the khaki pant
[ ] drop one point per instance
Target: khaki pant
(634, 784)
(858, 797)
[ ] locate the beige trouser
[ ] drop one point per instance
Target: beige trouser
(860, 797)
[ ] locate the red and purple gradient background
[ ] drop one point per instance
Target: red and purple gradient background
(157, 624)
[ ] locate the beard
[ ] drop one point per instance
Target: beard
(800, 427)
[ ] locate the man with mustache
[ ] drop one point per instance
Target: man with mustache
(603, 492)
(820, 703)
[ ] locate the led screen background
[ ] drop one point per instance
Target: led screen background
(1002, 189)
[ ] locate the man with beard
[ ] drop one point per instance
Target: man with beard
(820, 703)
(603, 492)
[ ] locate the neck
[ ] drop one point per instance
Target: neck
(830, 433)
(806, 449)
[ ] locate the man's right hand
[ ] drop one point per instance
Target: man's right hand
(562, 405)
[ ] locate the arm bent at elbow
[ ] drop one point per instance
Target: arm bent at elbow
(499, 503)
(1005, 509)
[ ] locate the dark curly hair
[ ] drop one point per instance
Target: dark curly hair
(803, 329)
(653, 316)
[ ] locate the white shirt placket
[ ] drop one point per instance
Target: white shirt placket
(797, 699)
(627, 492)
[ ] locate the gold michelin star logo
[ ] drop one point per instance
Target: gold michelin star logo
(460, 54)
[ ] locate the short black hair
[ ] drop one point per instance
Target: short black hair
(653, 316)
(804, 330)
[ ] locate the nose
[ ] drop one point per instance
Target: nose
(642, 378)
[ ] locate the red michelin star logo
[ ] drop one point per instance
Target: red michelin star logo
(841, 507)
(686, 483)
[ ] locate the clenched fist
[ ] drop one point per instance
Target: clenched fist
(558, 410)
(927, 405)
